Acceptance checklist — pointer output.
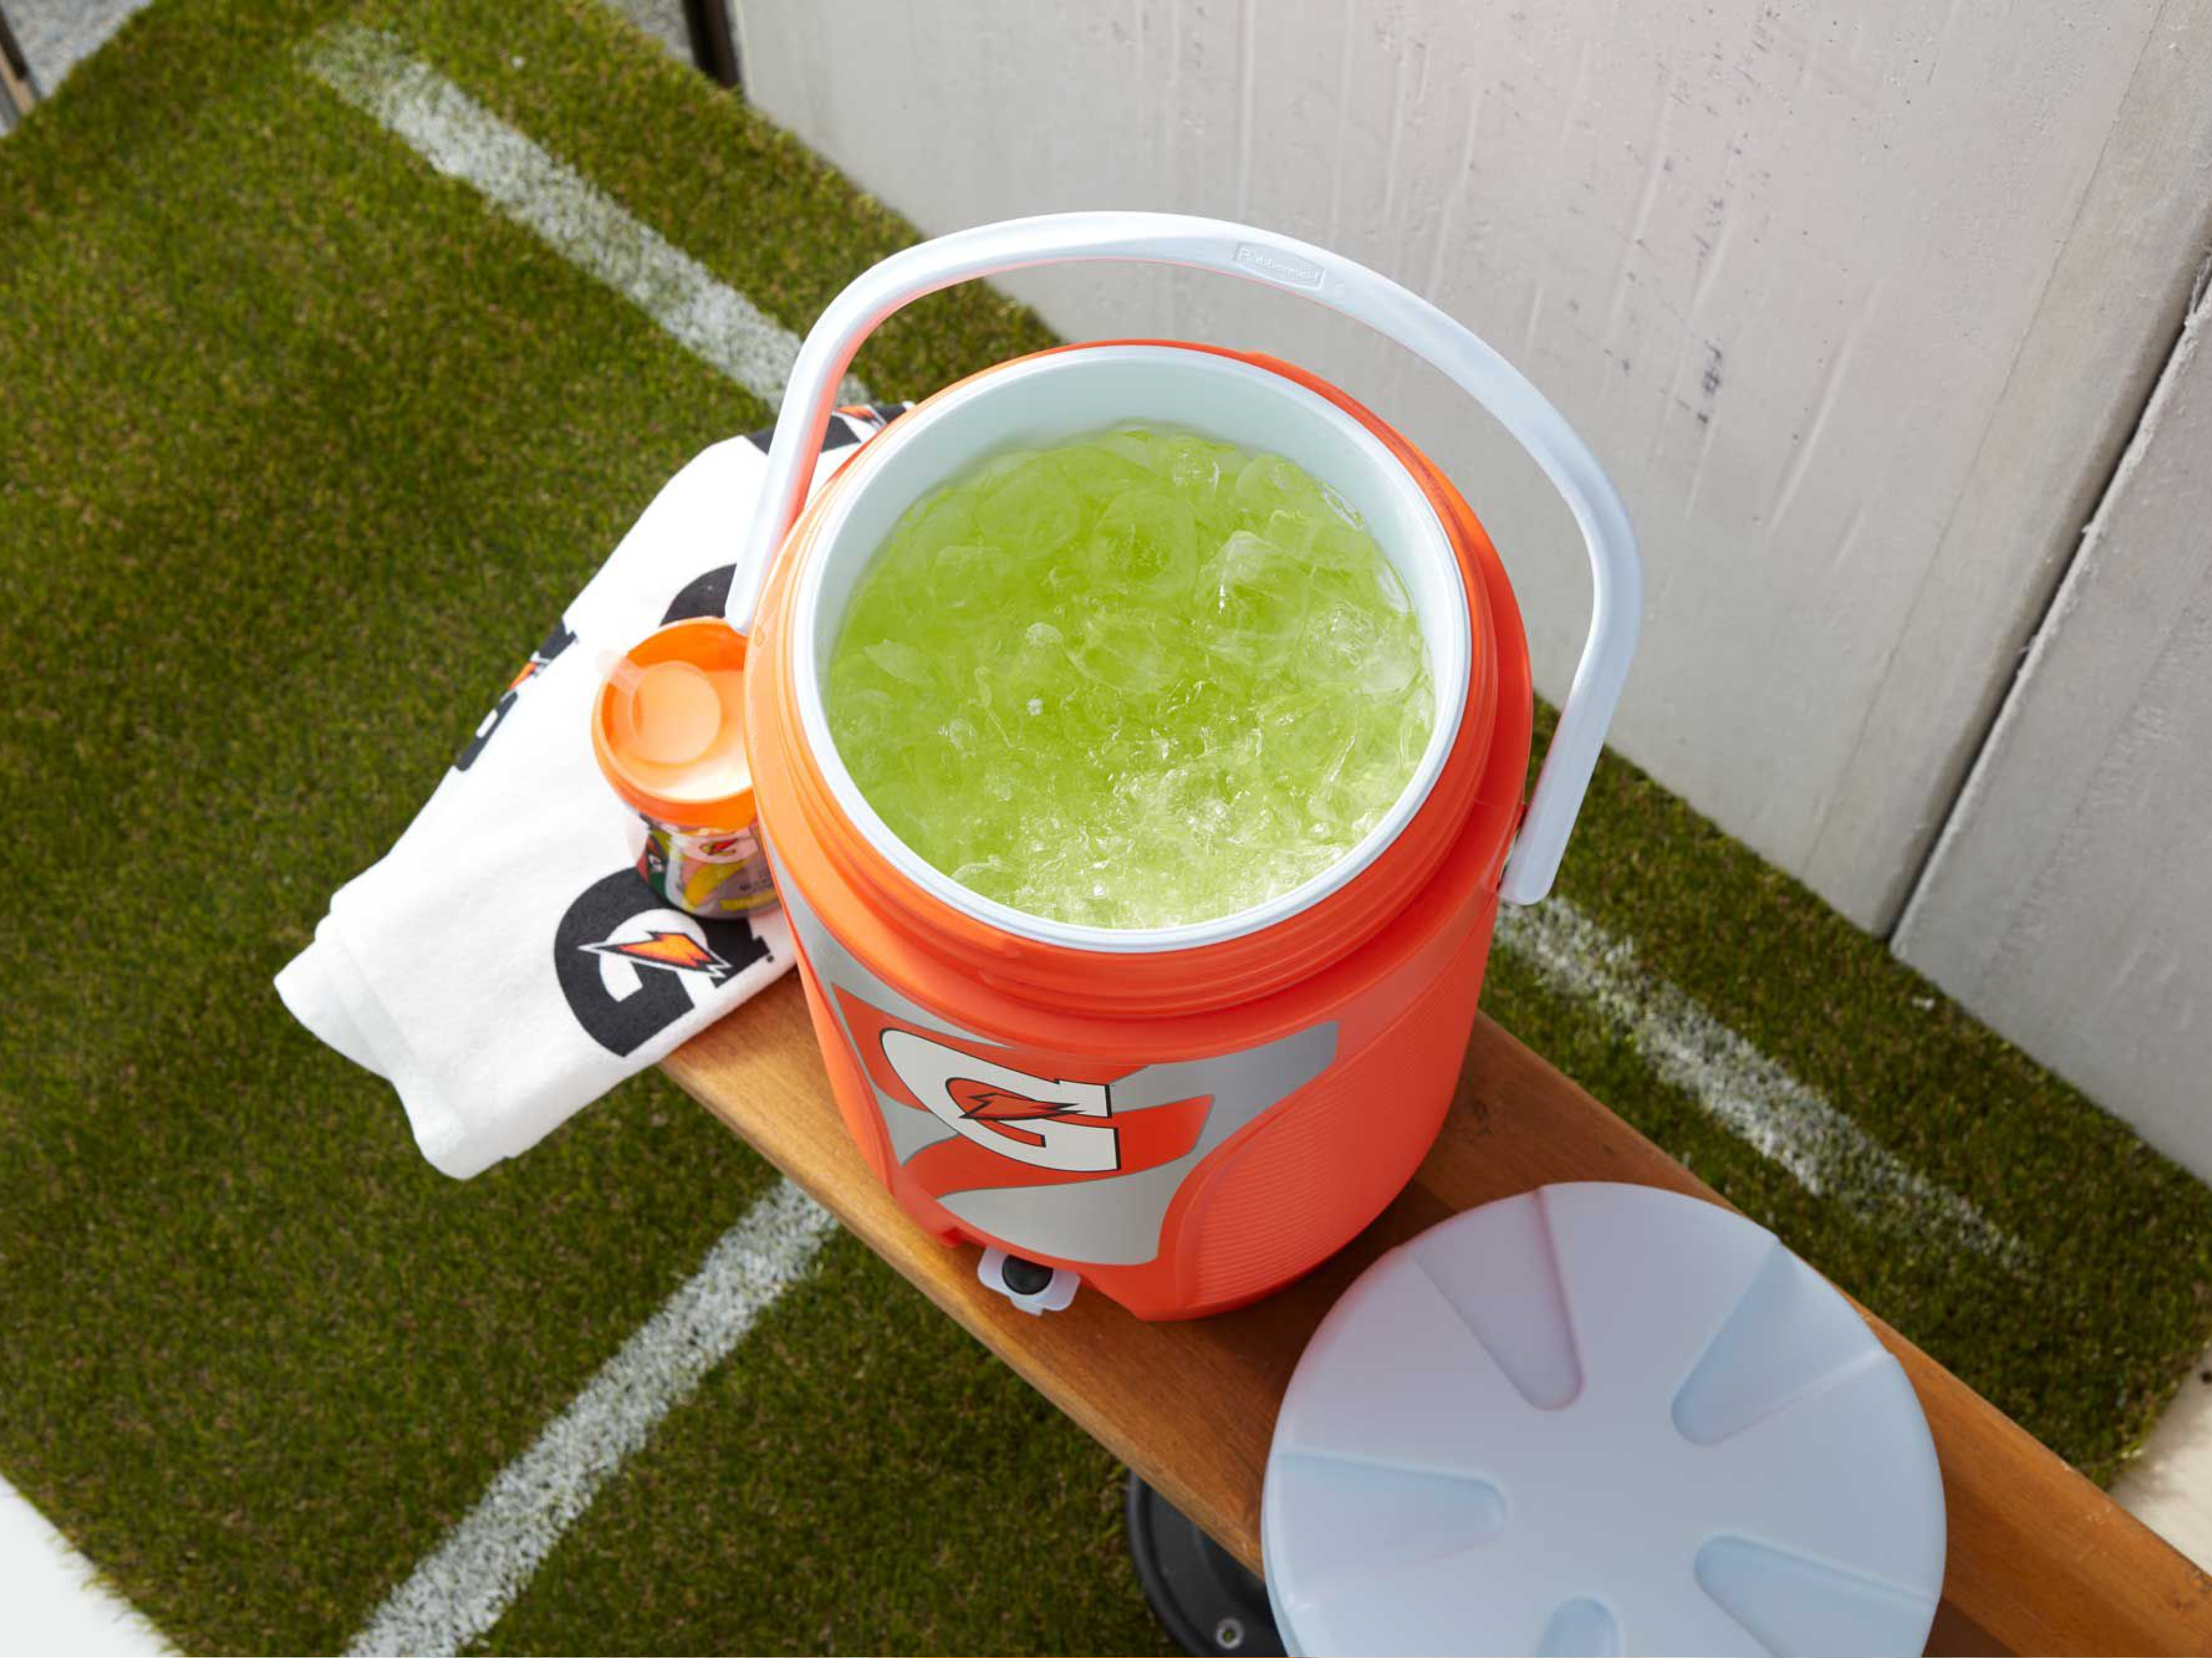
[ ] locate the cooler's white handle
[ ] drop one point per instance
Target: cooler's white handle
(1262, 256)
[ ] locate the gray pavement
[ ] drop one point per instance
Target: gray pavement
(56, 35)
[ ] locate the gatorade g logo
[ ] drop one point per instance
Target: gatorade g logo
(1054, 1117)
(630, 967)
(555, 642)
(1046, 1124)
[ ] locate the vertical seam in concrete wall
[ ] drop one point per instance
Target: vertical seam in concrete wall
(1974, 777)
(1343, 115)
(1248, 22)
(1961, 754)
(1974, 743)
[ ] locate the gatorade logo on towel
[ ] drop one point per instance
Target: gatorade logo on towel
(555, 642)
(630, 967)
(1014, 1107)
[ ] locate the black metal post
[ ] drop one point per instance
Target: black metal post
(1200, 1593)
(715, 40)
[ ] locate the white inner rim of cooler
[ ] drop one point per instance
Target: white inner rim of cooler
(1053, 399)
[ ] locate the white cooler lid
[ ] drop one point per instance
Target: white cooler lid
(1599, 1419)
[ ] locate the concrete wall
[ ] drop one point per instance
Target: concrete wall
(2069, 900)
(1857, 301)
(1861, 305)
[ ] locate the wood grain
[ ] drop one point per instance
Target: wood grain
(2039, 1559)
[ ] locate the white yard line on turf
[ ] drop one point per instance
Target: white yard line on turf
(462, 139)
(56, 1606)
(461, 1589)
(1748, 1093)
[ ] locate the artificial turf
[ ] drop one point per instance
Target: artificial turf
(301, 448)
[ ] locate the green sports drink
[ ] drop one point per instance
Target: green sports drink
(1142, 678)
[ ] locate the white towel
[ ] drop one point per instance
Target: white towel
(488, 964)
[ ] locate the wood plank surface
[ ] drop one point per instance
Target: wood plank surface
(2040, 1561)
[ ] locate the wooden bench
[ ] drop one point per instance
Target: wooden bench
(2040, 1560)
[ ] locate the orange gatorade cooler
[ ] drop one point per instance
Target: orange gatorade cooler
(1187, 1117)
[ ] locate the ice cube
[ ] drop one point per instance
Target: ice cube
(900, 660)
(1031, 511)
(1146, 540)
